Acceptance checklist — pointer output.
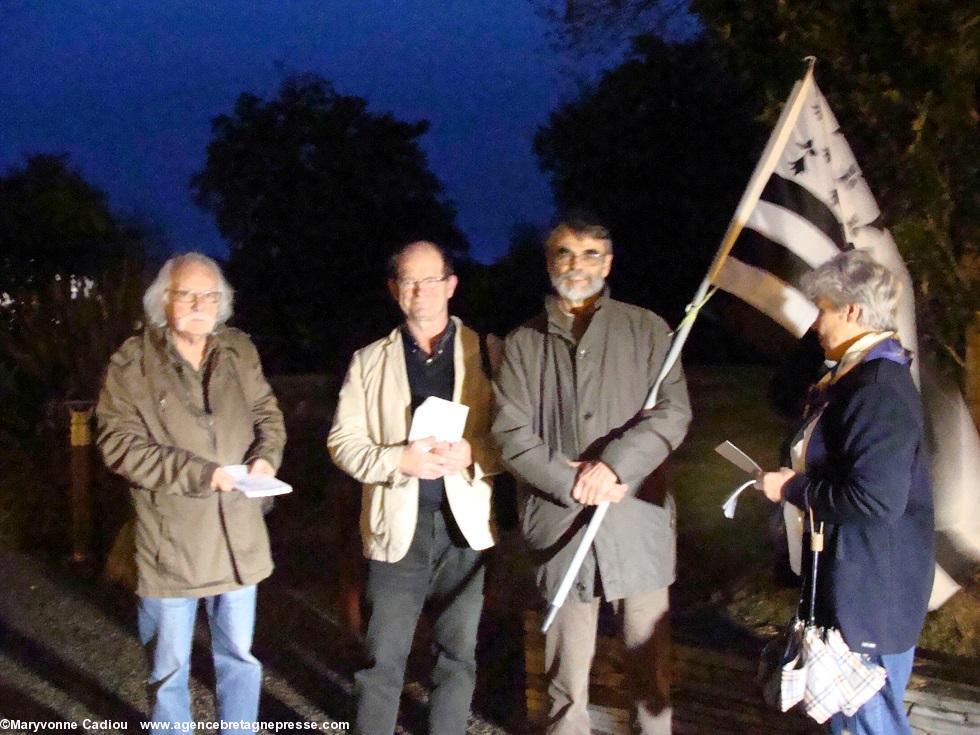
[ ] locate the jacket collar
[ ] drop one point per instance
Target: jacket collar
(559, 321)
(160, 343)
(448, 334)
(871, 346)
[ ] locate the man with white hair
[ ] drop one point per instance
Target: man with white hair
(570, 426)
(181, 402)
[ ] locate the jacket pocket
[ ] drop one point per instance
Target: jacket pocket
(165, 555)
(373, 510)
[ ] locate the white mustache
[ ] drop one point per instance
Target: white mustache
(189, 318)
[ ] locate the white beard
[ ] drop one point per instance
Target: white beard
(577, 294)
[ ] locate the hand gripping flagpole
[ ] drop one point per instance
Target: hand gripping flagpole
(750, 197)
(680, 336)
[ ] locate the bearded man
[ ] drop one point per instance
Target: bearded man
(570, 426)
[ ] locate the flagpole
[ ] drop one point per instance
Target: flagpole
(764, 168)
(750, 197)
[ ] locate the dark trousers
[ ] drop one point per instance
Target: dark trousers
(440, 568)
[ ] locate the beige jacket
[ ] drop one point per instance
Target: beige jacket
(190, 540)
(368, 436)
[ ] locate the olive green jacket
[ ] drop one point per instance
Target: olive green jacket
(558, 400)
(166, 428)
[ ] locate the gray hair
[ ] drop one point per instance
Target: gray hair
(856, 278)
(155, 299)
(580, 224)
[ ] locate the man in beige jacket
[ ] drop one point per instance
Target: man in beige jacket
(425, 513)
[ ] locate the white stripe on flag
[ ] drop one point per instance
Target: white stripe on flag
(772, 296)
(814, 154)
(808, 242)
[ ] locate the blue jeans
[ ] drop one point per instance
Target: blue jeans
(884, 713)
(166, 628)
(441, 568)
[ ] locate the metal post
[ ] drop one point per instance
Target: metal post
(80, 468)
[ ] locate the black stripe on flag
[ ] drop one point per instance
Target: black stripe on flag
(792, 196)
(759, 251)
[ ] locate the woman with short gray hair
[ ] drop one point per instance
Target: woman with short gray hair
(859, 465)
(857, 278)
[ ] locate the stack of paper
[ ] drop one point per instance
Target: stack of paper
(439, 418)
(256, 486)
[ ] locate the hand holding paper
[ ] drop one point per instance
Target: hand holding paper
(420, 460)
(440, 419)
(436, 446)
(457, 455)
(256, 485)
(745, 463)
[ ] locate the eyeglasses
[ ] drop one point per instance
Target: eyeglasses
(423, 284)
(564, 256)
(191, 297)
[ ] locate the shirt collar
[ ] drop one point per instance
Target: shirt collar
(177, 359)
(445, 339)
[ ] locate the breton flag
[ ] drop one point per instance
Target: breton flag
(807, 201)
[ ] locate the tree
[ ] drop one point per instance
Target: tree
(902, 78)
(72, 281)
(70, 288)
(660, 150)
(53, 222)
(500, 296)
(313, 192)
(605, 24)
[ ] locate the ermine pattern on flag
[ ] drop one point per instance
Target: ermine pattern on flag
(815, 204)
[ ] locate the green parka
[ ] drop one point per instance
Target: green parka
(559, 400)
(166, 428)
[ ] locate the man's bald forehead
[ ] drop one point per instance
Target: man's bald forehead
(418, 246)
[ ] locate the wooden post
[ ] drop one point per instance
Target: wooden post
(80, 463)
(972, 373)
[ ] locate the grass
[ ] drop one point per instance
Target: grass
(729, 564)
(725, 567)
(718, 555)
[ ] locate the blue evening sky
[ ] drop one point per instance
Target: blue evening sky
(128, 89)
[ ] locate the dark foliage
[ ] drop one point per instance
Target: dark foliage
(496, 298)
(313, 192)
(660, 150)
(53, 222)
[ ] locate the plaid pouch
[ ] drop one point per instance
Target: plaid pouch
(837, 678)
(782, 673)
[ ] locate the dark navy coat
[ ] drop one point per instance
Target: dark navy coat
(867, 478)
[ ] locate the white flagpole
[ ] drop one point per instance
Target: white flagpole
(750, 197)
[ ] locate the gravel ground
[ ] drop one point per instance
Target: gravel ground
(69, 654)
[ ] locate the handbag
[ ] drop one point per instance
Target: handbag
(812, 664)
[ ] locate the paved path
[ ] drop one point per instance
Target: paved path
(69, 653)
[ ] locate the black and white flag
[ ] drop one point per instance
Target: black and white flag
(806, 202)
